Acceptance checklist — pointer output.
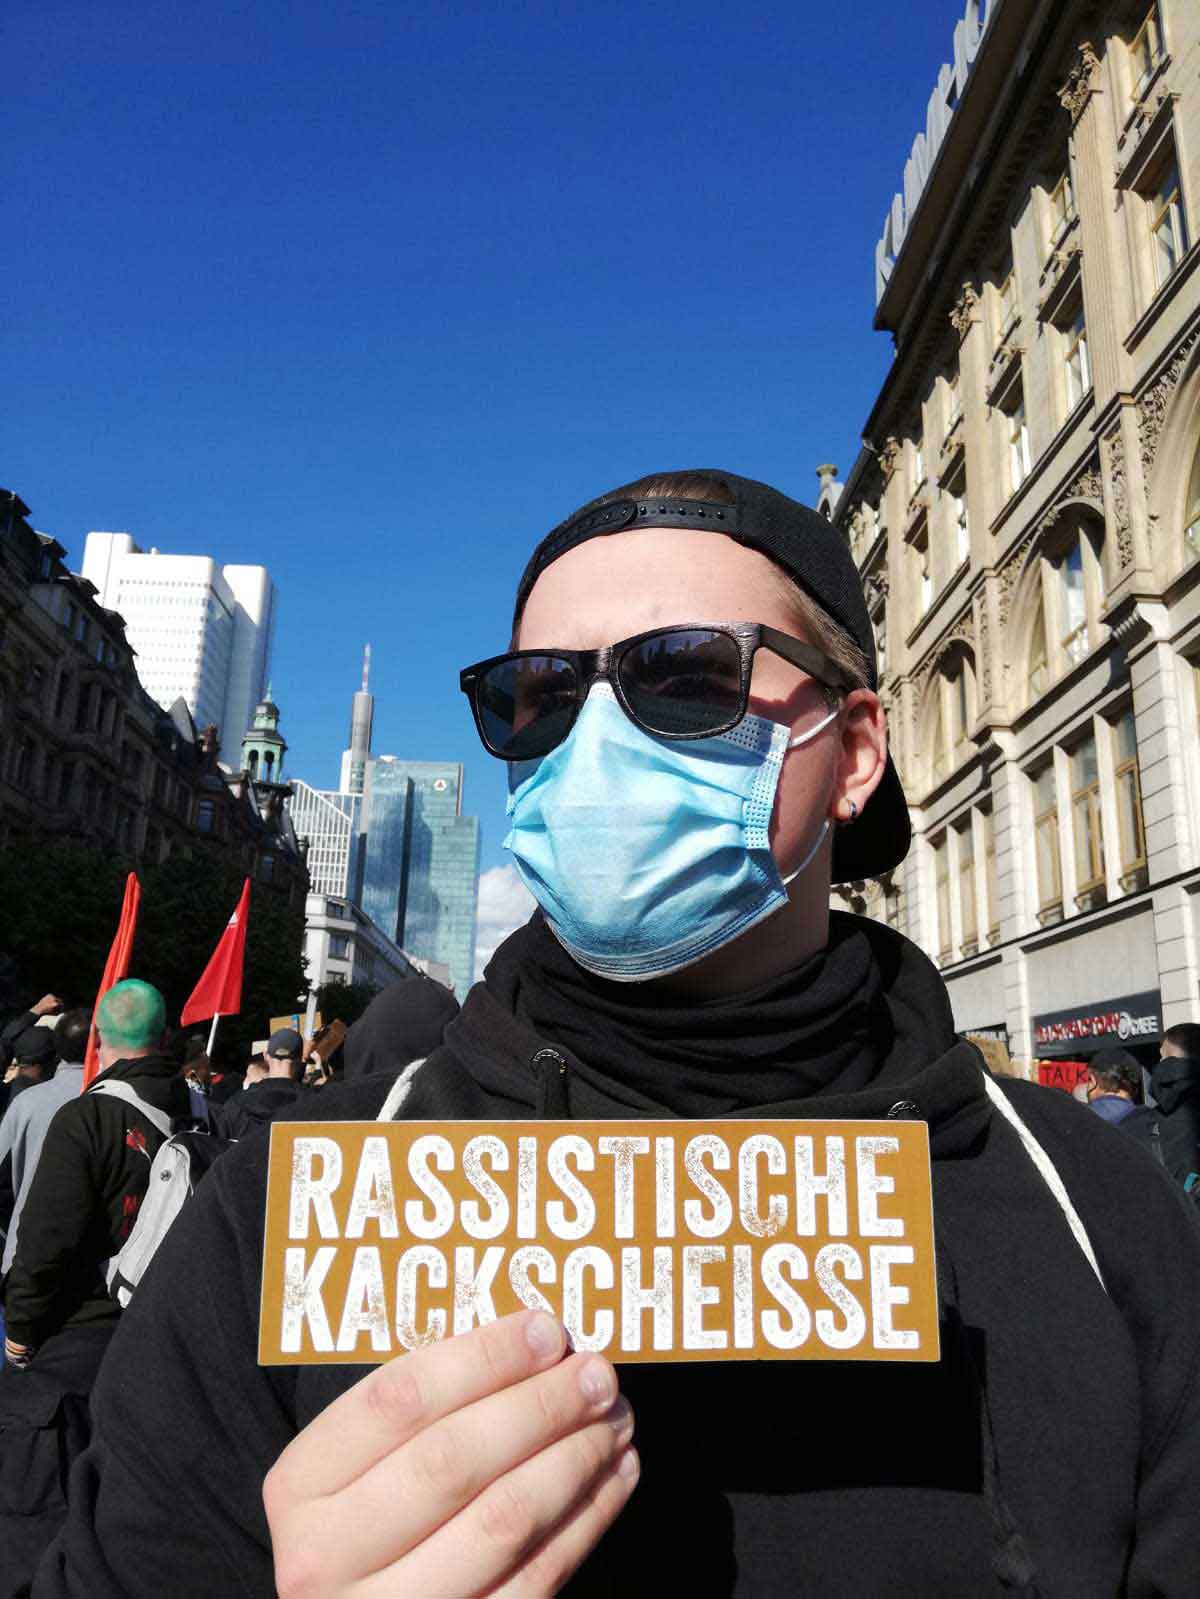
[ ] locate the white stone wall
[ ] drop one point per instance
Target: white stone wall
(1112, 468)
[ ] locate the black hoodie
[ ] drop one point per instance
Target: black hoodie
(1053, 1450)
(1176, 1130)
(84, 1198)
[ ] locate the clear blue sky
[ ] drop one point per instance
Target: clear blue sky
(374, 293)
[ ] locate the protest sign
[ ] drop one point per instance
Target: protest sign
(650, 1240)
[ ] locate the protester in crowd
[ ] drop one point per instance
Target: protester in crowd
(34, 1059)
(404, 1023)
(1175, 1084)
(91, 1174)
(79, 1208)
(48, 1005)
(197, 1067)
(276, 1090)
(23, 1130)
(681, 839)
(1114, 1083)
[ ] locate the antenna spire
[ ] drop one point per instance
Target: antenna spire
(366, 667)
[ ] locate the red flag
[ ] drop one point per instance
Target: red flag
(219, 991)
(115, 968)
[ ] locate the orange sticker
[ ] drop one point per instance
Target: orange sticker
(650, 1240)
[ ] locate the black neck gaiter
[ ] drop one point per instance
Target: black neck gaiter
(823, 1027)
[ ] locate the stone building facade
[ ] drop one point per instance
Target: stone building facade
(1026, 517)
(86, 754)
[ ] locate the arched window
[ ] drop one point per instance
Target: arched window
(952, 714)
(1067, 599)
(1191, 513)
(1039, 664)
(252, 763)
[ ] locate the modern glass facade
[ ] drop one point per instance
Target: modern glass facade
(421, 862)
(329, 821)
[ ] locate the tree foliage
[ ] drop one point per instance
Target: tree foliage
(344, 1002)
(62, 901)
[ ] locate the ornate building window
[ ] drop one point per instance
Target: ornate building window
(953, 402)
(1016, 433)
(1068, 599)
(922, 571)
(952, 716)
(1061, 203)
(1087, 825)
(941, 878)
(206, 815)
(1075, 359)
(1191, 513)
(989, 876)
(1045, 829)
(965, 841)
(1168, 223)
(1146, 52)
(1038, 670)
(1130, 826)
(1072, 604)
(1007, 305)
(956, 492)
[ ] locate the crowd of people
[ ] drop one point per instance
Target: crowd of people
(75, 1172)
(682, 794)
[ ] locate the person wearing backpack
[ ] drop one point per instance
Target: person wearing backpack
(90, 1180)
(1175, 1083)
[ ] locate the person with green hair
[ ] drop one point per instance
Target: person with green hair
(83, 1200)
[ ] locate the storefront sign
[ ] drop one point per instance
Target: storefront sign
(947, 92)
(1064, 1074)
(652, 1241)
(1134, 1019)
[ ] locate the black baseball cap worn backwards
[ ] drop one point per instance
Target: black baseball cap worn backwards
(816, 557)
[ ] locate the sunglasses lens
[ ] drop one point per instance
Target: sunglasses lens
(526, 705)
(683, 683)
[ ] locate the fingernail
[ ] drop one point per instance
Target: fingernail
(629, 1465)
(542, 1335)
(596, 1382)
(620, 1417)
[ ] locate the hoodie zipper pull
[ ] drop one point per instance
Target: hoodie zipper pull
(550, 1068)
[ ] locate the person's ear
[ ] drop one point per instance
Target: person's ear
(863, 758)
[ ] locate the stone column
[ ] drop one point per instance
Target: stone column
(1110, 308)
(1107, 285)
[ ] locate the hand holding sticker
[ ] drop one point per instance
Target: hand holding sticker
(484, 1464)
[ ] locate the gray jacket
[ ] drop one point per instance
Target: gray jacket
(22, 1130)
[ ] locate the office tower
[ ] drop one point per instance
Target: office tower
(362, 718)
(329, 820)
(202, 632)
(421, 862)
(392, 842)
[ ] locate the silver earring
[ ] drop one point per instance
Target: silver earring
(853, 816)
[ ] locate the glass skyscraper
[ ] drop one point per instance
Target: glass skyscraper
(421, 862)
(392, 840)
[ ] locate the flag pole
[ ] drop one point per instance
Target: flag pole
(212, 1035)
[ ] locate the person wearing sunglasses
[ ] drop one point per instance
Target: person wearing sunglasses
(696, 749)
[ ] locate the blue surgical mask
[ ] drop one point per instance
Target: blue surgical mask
(648, 854)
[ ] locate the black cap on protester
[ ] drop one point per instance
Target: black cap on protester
(35, 1047)
(284, 1043)
(816, 557)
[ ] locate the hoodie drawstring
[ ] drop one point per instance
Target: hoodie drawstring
(550, 1069)
(1012, 1563)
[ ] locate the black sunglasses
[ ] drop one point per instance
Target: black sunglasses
(690, 681)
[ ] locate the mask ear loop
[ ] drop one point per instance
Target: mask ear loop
(808, 859)
(820, 838)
